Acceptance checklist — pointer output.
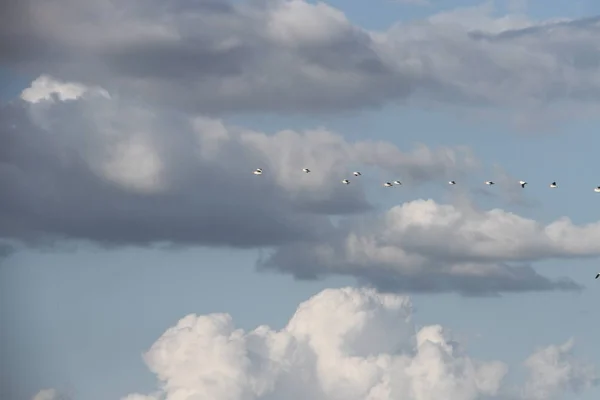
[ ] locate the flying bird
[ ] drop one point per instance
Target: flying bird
(356, 173)
(397, 183)
(346, 181)
(553, 185)
(522, 183)
(257, 171)
(387, 184)
(597, 190)
(489, 183)
(597, 276)
(306, 170)
(452, 183)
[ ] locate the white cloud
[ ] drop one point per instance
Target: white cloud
(342, 344)
(294, 56)
(44, 87)
(554, 369)
(423, 245)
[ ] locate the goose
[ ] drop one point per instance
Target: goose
(452, 183)
(597, 190)
(397, 183)
(522, 183)
(306, 170)
(257, 171)
(553, 185)
(387, 184)
(346, 181)
(489, 183)
(597, 276)
(356, 173)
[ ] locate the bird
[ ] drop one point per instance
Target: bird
(489, 183)
(553, 185)
(452, 183)
(522, 183)
(356, 173)
(597, 275)
(346, 181)
(397, 183)
(258, 171)
(306, 170)
(387, 184)
(597, 190)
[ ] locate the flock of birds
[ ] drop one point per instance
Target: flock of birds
(259, 171)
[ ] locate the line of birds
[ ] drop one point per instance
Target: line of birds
(259, 171)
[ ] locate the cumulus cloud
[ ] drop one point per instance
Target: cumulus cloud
(295, 56)
(79, 163)
(350, 344)
(426, 246)
(554, 369)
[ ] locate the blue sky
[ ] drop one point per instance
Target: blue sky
(78, 319)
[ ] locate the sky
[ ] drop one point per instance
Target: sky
(140, 258)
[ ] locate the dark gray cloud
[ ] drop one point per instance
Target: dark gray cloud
(117, 171)
(221, 56)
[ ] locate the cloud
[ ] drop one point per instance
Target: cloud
(554, 369)
(78, 162)
(346, 344)
(48, 394)
(293, 56)
(430, 247)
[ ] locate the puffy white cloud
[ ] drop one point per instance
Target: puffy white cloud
(45, 87)
(426, 246)
(292, 55)
(114, 170)
(342, 344)
(554, 369)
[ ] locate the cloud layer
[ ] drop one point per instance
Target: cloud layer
(293, 56)
(350, 344)
(81, 163)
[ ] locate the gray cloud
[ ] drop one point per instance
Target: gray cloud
(77, 163)
(217, 57)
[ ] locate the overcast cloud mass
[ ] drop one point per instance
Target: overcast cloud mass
(85, 160)
(214, 56)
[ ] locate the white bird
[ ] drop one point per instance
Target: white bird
(597, 276)
(597, 189)
(258, 171)
(522, 183)
(306, 170)
(346, 181)
(489, 183)
(397, 183)
(553, 185)
(356, 173)
(452, 183)
(387, 184)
